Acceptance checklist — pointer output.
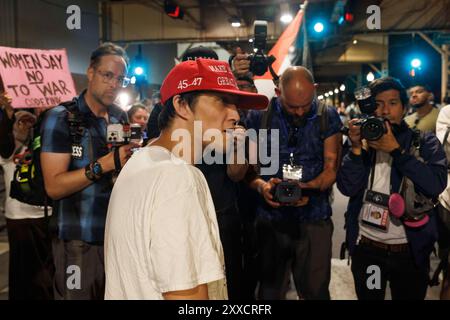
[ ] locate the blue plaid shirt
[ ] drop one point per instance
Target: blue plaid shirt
(82, 215)
(307, 153)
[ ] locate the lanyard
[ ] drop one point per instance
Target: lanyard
(284, 129)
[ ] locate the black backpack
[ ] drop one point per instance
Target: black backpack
(27, 185)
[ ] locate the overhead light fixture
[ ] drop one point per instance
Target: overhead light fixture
(330, 92)
(342, 87)
(355, 41)
(326, 95)
(320, 97)
(416, 63)
(124, 100)
(286, 18)
(318, 27)
(138, 71)
(235, 22)
(336, 90)
(370, 77)
(173, 10)
(250, 40)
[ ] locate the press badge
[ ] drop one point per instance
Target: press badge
(77, 151)
(292, 172)
(375, 212)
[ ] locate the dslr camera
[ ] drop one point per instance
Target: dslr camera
(259, 61)
(372, 127)
(288, 191)
(121, 134)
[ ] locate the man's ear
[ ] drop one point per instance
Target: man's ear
(90, 73)
(181, 107)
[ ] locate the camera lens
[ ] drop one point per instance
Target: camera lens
(372, 129)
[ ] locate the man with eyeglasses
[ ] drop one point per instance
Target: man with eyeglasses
(296, 237)
(78, 174)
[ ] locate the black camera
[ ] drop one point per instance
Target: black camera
(259, 61)
(372, 127)
(120, 134)
(287, 192)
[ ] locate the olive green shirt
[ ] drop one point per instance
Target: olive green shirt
(425, 124)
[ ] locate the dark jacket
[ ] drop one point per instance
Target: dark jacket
(7, 142)
(429, 178)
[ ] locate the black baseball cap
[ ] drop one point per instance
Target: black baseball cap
(199, 52)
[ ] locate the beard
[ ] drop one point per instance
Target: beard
(418, 105)
(294, 120)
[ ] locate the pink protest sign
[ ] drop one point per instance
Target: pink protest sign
(36, 78)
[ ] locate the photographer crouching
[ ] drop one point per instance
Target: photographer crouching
(393, 176)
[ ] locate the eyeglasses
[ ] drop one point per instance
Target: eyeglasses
(108, 77)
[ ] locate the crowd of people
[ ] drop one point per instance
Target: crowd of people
(91, 217)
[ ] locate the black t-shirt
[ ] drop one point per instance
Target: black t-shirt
(223, 190)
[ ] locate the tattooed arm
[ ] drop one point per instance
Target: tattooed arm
(332, 157)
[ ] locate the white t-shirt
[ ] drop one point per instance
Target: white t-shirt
(396, 231)
(161, 230)
(443, 121)
(15, 209)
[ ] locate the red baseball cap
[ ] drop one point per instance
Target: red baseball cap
(208, 75)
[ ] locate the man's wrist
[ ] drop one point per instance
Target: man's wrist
(89, 173)
(104, 163)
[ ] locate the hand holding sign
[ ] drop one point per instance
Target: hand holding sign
(5, 101)
(36, 78)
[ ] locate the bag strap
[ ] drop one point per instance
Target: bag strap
(322, 113)
(266, 118)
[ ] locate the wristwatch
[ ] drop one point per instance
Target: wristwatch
(97, 169)
(93, 171)
(89, 173)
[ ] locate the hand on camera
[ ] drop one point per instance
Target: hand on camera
(266, 191)
(125, 152)
(241, 64)
(354, 133)
(387, 142)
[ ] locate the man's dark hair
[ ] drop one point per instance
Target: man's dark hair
(134, 108)
(389, 83)
(425, 86)
(107, 49)
(168, 112)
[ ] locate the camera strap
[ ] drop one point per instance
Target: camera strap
(117, 159)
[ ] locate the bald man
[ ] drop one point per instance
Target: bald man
(297, 236)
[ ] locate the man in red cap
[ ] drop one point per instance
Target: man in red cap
(162, 240)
